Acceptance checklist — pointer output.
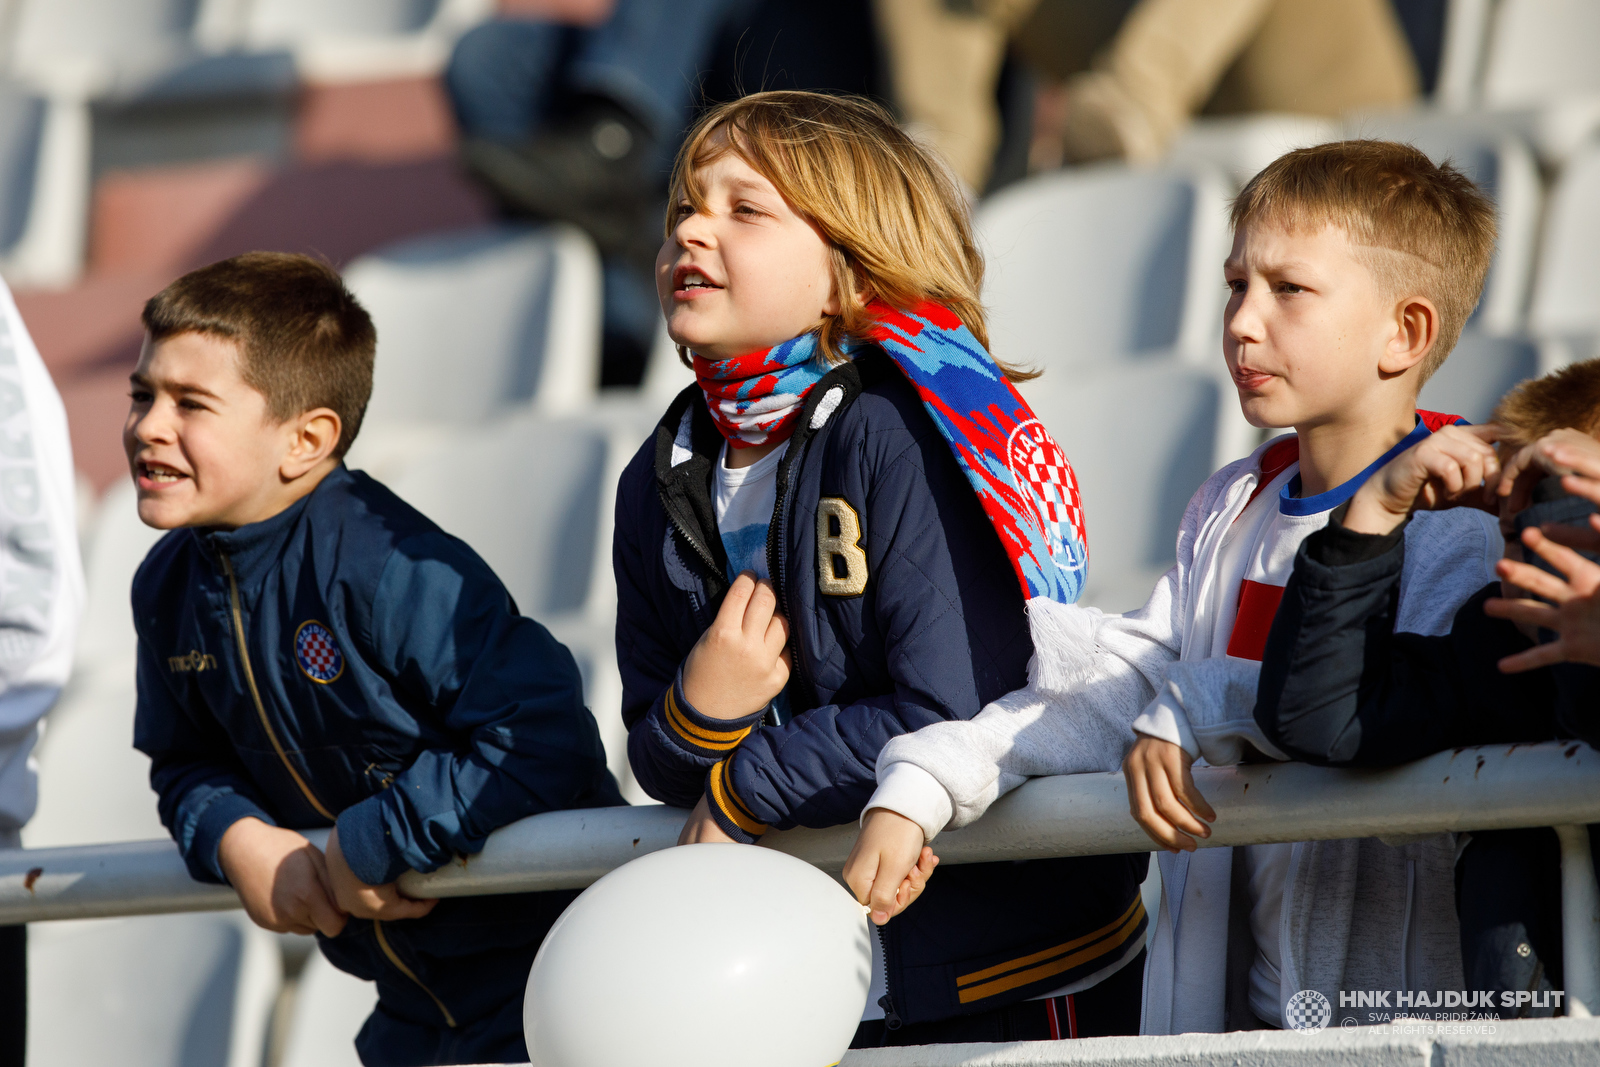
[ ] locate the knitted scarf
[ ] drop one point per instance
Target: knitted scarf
(1020, 475)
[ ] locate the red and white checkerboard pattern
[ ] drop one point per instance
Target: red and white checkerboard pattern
(1055, 491)
(317, 652)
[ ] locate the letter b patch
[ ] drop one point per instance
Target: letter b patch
(841, 565)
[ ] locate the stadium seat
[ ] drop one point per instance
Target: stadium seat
(193, 990)
(1099, 263)
(1240, 145)
(1477, 375)
(483, 322)
(1141, 438)
(1540, 51)
(329, 1008)
(1568, 275)
(1503, 164)
(286, 21)
(527, 495)
(349, 40)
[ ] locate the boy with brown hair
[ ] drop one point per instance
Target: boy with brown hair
(1354, 267)
(313, 652)
(1340, 687)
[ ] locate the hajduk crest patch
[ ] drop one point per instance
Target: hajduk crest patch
(317, 653)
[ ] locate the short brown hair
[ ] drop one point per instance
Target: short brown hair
(304, 341)
(1390, 196)
(1568, 398)
(893, 213)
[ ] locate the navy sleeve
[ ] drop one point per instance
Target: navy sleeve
(498, 684)
(671, 746)
(201, 788)
(1340, 687)
(945, 614)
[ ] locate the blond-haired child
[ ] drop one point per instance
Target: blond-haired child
(807, 556)
(1354, 267)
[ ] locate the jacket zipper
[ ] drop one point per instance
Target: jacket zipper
(891, 1018)
(255, 694)
(394, 958)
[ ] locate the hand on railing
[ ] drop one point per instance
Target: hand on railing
(889, 866)
(1162, 795)
(281, 878)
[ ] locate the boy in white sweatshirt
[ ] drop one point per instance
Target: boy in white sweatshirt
(1354, 267)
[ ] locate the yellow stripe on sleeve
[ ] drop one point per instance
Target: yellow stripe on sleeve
(715, 740)
(728, 804)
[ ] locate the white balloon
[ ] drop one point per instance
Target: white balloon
(701, 956)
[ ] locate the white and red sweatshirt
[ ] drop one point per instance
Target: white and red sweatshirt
(1184, 668)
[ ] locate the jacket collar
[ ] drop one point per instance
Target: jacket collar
(688, 445)
(253, 549)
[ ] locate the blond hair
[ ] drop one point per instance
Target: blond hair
(894, 216)
(1387, 197)
(1568, 398)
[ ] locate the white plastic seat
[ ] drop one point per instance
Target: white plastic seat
(1140, 437)
(1567, 281)
(1241, 145)
(527, 496)
(192, 990)
(329, 1008)
(483, 322)
(1541, 50)
(1095, 264)
(1477, 374)
(1504, 166)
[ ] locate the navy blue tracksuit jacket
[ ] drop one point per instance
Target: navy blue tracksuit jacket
(924, 622)
(346, 660)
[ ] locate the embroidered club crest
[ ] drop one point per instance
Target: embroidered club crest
(317, 652)
(1042, 472)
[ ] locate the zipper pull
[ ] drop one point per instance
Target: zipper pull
(891, 1018)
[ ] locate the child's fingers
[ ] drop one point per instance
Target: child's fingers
(737, 598)
(1538, 582)
(1559, 556)
(325, 914)
(1588, 488)
(1145, 813)
(776, 638)
(1531, 612)
(883, 901)
(1582, 538)
(759, 609)
(1544, 655)
(1173, 810)
(1193, 799)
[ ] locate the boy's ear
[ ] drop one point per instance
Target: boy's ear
(314, 435)
(1416, 330)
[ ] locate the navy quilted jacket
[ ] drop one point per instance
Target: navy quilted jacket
(903, 612)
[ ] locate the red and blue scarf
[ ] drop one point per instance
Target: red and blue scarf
(1020, 475)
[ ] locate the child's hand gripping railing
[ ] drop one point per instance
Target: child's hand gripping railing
(1497, 787)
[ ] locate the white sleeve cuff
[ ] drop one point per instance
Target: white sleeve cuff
(1164, 719)
(906, 789)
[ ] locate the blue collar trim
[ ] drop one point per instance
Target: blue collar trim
(1290, 502)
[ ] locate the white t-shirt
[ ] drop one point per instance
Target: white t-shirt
(745, 499)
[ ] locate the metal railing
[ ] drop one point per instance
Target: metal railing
(1491, 788)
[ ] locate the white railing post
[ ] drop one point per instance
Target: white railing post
(1580, 922)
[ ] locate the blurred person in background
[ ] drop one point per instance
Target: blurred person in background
(579, 122)
(1130, 74)
(41, 600)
